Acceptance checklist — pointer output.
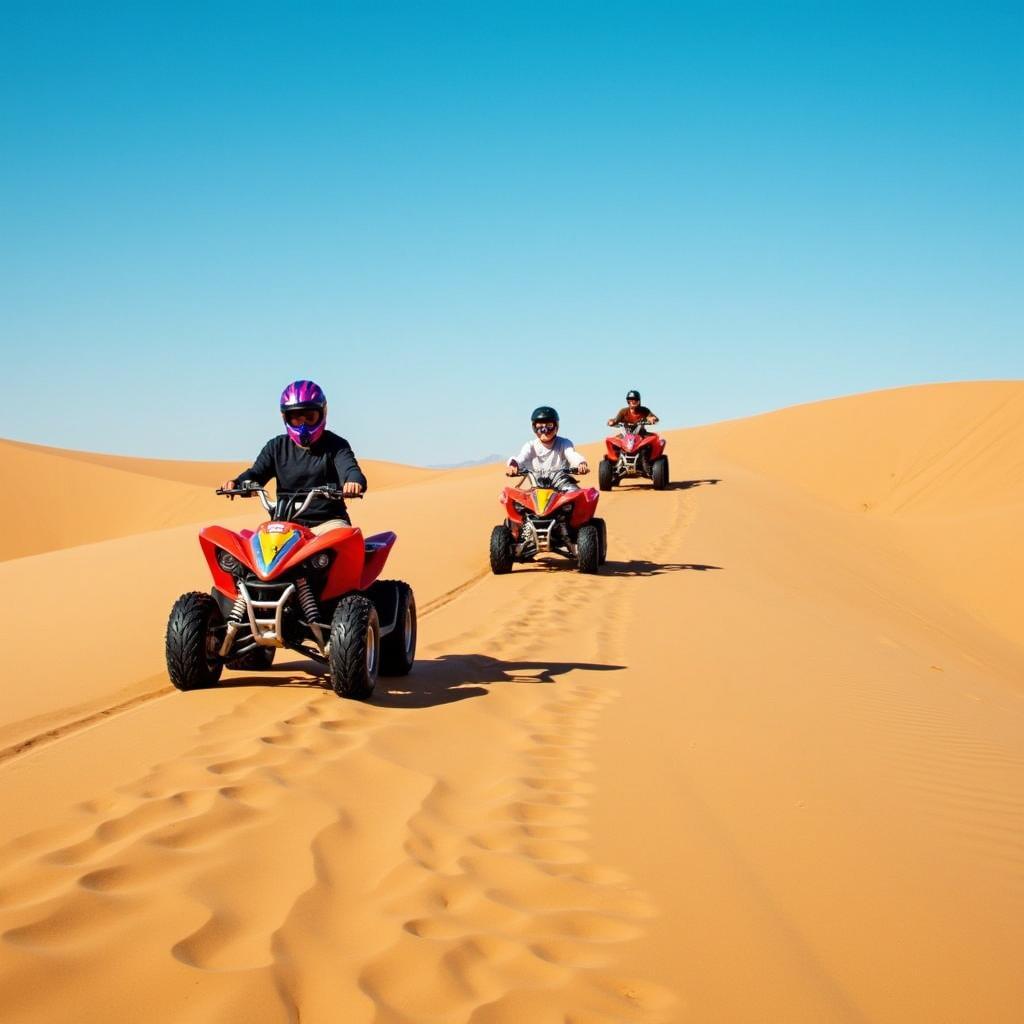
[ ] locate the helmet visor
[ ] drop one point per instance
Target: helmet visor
(300, 417)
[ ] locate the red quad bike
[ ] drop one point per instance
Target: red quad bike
(633, 452)
(283, 586)
(541, 520)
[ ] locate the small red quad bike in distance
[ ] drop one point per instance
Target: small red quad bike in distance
(633, 452)
(283, 586)
(540, 520)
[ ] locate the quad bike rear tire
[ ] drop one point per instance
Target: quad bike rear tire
(606, 474)
(588, 548)
(192, 642)
(659, 473)
(502, 550)
(257, 660)
(398, 648)
(354, 658)
(602, 529)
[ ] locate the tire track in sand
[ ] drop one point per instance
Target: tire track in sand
(58, 732)
(498, 898)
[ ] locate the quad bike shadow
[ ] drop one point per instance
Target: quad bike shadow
(642, 567)
(453, 677)
(674, 485)
(444, 680)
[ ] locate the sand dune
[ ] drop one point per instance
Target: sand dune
(74, 498)
(934, 465)
(766, 767)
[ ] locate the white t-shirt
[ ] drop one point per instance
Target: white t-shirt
(535, 457)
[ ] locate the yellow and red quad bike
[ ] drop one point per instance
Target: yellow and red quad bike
(540, 520)
(633, 452)
(281, 585)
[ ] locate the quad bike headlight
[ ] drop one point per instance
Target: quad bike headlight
(228, 562)
(318, 562)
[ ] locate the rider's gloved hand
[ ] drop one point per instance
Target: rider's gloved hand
(583, 469)
(513, 469)
(350, 489)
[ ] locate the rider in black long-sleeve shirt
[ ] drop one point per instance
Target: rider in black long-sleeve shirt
(308, 455)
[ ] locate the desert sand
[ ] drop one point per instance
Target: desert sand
(768, 766)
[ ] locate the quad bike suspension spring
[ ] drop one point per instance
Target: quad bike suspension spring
(237, 613)
(310, 609)
(234, 619)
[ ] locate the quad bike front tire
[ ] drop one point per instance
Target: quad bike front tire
(354, 658)
(502, 550)
(398, 648)
(588, 548)
(602, 529)
(659, 472)
(257, 660)
(606, 474)
(192, 642)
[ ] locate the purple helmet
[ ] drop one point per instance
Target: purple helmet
(300, 396)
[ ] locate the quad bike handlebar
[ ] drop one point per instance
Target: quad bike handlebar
(249, 488)
(536, 481)
(627, 425)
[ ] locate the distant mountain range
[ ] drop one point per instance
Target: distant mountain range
(472, 462)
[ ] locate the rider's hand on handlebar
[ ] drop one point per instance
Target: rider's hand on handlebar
(512, 469)
(233, 489)
(612, 423)
(351, 489)
(582, 469)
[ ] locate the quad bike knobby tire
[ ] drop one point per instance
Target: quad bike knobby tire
(659, 473)
(193, 641)
(606, 474)
(588, 548)
(354, 658)
(602, 529)
(257, 660)
(502, 550)
(398, 648)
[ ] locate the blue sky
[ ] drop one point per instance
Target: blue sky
(448, 213)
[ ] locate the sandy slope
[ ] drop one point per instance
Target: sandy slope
(766, 767)
(69, 498)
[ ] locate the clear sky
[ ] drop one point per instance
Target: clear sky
(448, 213)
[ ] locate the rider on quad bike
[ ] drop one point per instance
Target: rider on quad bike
(305, 579)
(634, 452)
(552, 515)
(307, 456)
(633, 412)
(548, 455)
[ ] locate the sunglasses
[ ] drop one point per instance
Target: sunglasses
(545, 428)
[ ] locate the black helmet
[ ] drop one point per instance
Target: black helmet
(543, 413)
(632, 394)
